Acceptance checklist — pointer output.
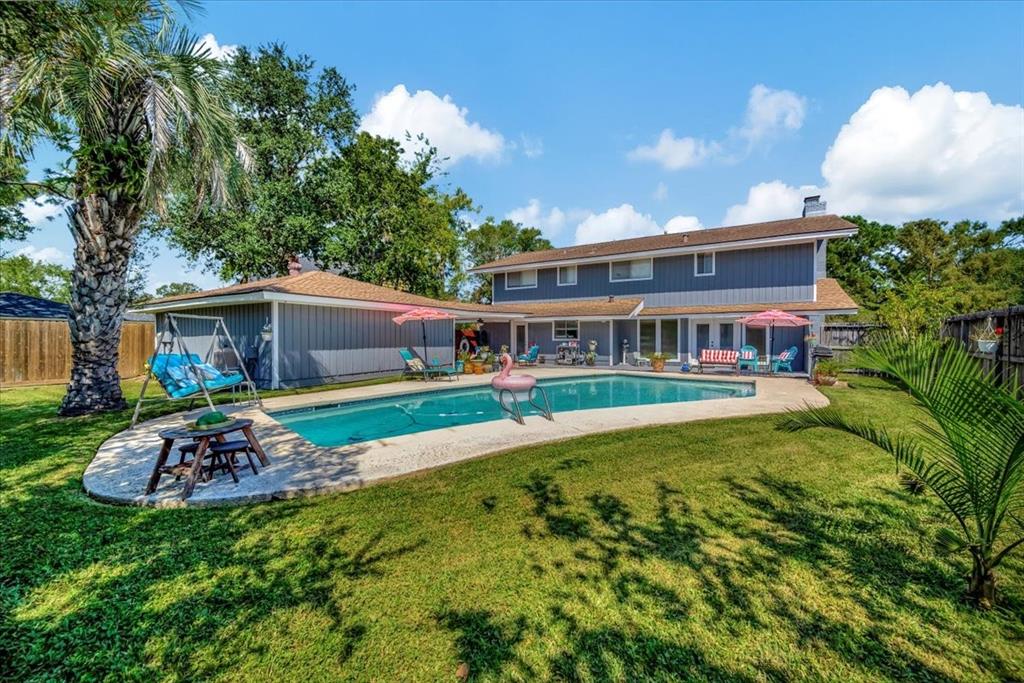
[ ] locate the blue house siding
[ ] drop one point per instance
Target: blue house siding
(322, 344)
(785, 273)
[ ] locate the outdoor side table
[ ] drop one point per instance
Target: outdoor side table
(203, 436)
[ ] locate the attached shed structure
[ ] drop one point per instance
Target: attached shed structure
(317, 327)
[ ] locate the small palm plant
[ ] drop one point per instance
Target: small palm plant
(970, 453)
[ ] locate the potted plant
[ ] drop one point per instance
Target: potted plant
(657, 361)
(592, 346)
(826, 372)
(987, 340)
(590, 358)
(465, 358)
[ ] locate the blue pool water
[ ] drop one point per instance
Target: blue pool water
(379, 418)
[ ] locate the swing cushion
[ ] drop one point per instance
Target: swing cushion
(175, 374)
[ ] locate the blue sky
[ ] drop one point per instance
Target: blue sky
(554, 112)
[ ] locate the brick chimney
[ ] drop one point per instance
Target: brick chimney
(813, 206)
(294, 267)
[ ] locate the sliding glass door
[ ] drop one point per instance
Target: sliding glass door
(659, 336)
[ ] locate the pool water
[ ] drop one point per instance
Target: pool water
(380, 418)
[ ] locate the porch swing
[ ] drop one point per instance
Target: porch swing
(183, 375)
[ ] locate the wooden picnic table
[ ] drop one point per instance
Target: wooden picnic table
(203, 437)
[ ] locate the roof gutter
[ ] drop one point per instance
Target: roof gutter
(283, 297)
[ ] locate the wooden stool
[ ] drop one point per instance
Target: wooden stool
(230, 449)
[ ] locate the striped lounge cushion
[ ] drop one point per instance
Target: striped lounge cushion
(718, 356)
(784, 355)
(748, 354)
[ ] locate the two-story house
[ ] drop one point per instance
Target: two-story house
(672, 293)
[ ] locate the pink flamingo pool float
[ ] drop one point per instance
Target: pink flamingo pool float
(520, 385)
(522, 388)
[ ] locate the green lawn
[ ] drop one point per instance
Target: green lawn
(716, 550)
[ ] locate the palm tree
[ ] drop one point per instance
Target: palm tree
(970, 452)
(138, 108)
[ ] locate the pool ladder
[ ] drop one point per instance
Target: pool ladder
(517, 413)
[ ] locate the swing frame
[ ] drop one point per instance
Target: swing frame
(170, 327)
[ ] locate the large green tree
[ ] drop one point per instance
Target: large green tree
(912, 276)
(348, 202)
(35, 278)
(493, 240)
(385, 221)
(137, 107)
(292, 119)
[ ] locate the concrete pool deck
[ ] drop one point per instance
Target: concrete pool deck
(119, 471)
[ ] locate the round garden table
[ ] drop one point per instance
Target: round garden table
(203, 437)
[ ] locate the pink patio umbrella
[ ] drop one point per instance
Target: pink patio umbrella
(771, 319)
(423, 315)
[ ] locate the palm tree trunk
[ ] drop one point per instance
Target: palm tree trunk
(981, 587)
(104, 238)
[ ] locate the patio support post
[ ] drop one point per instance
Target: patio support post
(275, 346)
(611, 343)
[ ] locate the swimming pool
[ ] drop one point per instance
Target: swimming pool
(379, 418)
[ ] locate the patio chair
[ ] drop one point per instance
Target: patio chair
(748, 358)
(530, 357)
(638, 360)
(417, 368)
(784, 361)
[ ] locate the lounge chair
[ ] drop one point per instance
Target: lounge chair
(784, 361)
(179, 379)
(417, 368)
(530, 357)
(719, 358)
(638, 360)
(748, 359)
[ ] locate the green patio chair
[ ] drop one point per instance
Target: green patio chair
(784, 361)
(415, 367)
(747, 359)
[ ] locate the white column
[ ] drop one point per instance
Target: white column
(275, 349)
(611, 343)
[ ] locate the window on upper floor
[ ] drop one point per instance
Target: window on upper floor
(565, 329)
(566, 275)
(704, 263)
(634, 269)
(521, 279)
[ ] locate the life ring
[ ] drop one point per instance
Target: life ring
(464, 345)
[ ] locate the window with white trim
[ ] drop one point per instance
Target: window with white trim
(565, 329)
(520, 279)
(634, 269)
(704, 263)
(566, 275)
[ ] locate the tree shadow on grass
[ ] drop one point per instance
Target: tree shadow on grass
(744, 553)
(193, 595)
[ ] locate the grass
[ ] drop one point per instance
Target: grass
(715, 550)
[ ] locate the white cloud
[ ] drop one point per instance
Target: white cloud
(445, 125)
(770, 112)
(683, 224)
(768, 202)
(216, 51)
(615, 224)
(903, 156)
(38, 213)
(45, 254)
(674, 153)
(551, 221)
(937, 149)
(532, 147)
(661, 192)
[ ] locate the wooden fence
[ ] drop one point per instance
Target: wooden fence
(39, 351)
(1007, 360)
